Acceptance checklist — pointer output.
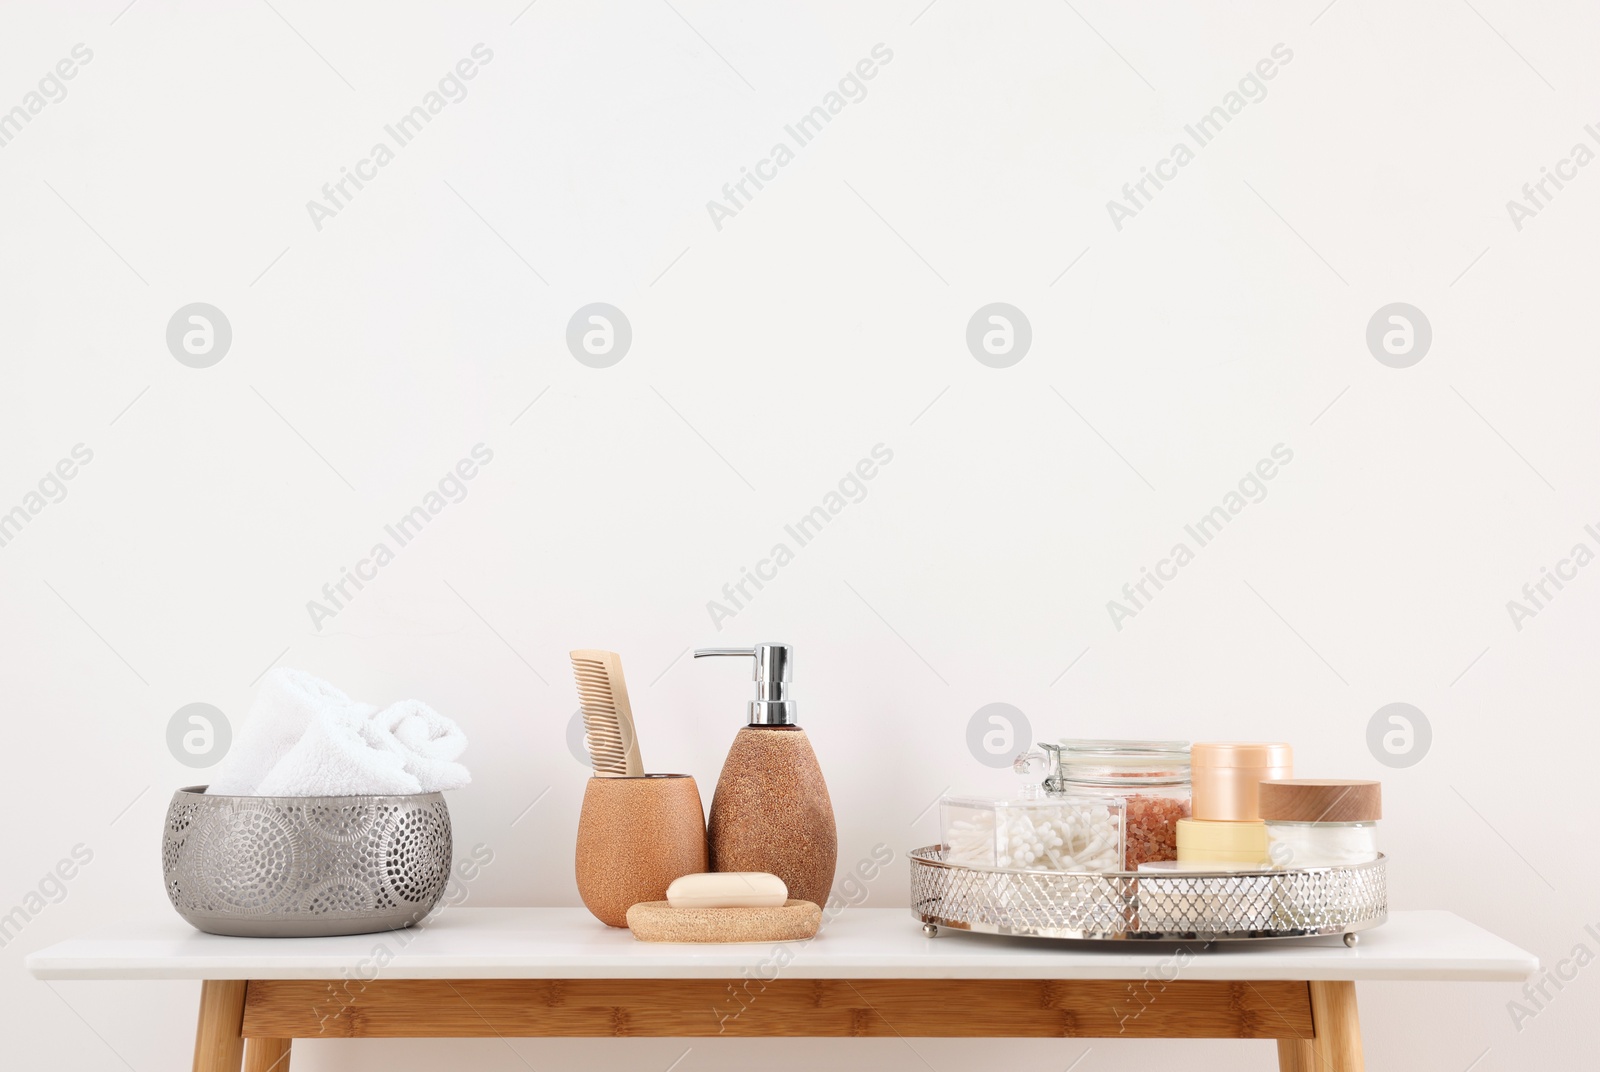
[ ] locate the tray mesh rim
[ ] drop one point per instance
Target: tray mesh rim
(1182, 906)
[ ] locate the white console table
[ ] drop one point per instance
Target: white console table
(509, 972)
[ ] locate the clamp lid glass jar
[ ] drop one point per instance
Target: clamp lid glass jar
(1149, 778)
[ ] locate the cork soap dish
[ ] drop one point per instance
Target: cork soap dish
(658, 921)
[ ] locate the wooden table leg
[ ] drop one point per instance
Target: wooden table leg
(1336, 1046)
(218, 1038)
(1296, 1055)
(1338, 1027)
(267, 1055)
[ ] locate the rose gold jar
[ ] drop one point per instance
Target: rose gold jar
(1227, 776)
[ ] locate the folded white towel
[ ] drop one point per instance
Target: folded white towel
(336, 758)
(427, 740)
(285, 707)
(306, 738)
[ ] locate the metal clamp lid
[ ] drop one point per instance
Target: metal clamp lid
(772, 706)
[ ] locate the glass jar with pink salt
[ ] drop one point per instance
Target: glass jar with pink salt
(1150, 779)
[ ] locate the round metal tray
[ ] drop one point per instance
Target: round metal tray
(1148, 906)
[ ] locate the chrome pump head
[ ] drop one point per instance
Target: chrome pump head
(773, 671)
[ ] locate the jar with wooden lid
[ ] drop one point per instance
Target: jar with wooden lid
(1314, 822)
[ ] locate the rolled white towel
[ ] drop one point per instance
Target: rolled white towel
(306, 738)
(288, 702)
(336, 758)
(428, 742)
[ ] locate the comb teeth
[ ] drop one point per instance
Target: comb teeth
(607, 717)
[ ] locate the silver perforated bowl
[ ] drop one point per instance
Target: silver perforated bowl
(300, 867)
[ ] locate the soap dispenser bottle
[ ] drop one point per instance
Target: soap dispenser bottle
(771, 810)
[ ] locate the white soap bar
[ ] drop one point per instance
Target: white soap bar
(728, 889)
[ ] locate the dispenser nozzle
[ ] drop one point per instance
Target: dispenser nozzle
(772, 706)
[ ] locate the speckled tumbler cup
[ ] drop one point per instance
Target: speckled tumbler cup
(635, 835)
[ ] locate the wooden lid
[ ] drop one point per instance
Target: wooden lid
(1321, 800)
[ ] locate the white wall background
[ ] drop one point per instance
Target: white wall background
(767, 358)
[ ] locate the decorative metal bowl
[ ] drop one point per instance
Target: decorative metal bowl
(299, 867)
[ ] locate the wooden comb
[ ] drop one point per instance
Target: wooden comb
(607, 715)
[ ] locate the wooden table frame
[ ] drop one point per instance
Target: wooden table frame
(558, 973)
(254, 1022)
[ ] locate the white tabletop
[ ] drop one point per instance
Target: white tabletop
(861, 943)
